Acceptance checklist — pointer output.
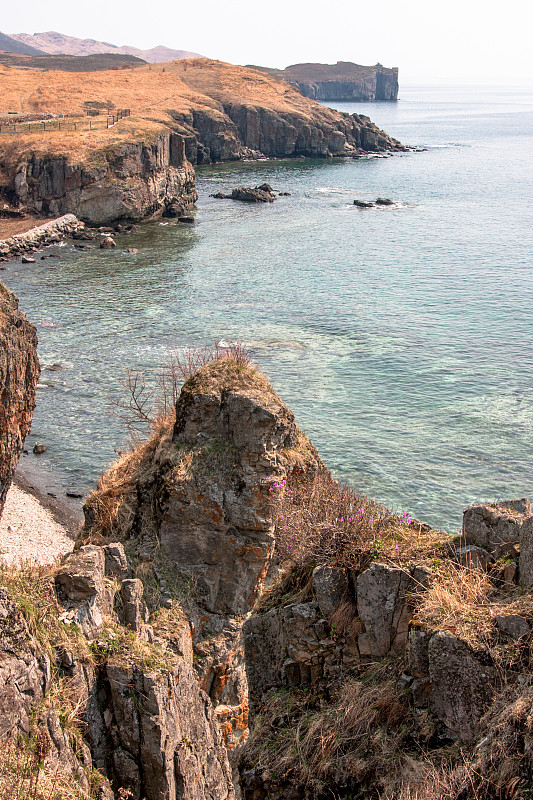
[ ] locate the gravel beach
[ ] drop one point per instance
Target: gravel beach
(29, 531)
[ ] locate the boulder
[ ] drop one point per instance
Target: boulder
(384, 201)
(107, 243)
(462, 686)
(525, 564)
(363, 204)
(383, 607)
(83, 591)
(495, 526)
(513, 625)
(329, 585)
(19, 373)
(116, 562)
(134, 611)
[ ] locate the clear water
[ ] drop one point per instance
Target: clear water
(401, 337)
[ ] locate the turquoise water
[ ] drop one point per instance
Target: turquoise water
(400, 336)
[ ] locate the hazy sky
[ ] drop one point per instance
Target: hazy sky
(468, 40)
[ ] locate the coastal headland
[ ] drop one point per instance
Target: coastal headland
(183, 113)
(343, 81)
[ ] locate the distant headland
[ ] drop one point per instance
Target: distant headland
(341, 81)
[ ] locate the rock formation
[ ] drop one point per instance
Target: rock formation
(132, 182)
(19, 372)
(363, 675)
(343, 81)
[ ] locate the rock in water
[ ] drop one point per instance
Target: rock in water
(362, 204)
(107, 243)
(19, 372)
(384, 201)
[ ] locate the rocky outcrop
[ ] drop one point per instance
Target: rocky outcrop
(247, 194)
(130, 181)
(298, 644)
(501, 529)
(42, 235)
(19, 372)
(343, 81)
(240, 131)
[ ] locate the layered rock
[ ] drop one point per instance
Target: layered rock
(19, 372)
(343, 81)
(133, 181)
(199, 502)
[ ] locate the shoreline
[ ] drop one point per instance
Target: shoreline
(44, 487)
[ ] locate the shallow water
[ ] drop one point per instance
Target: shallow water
(400, 336)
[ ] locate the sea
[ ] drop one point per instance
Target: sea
(401, 336)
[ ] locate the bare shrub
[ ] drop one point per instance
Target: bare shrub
(143, 405)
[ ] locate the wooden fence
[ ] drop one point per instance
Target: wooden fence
(65, 124)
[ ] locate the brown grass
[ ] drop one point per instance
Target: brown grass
(359, 738)
(466, 602)
(153, 93)
(24, 775)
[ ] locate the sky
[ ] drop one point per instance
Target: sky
(464, 41)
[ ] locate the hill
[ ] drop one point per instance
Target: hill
(341, 81)
(10, 45)
(58, 43)
(92, 63)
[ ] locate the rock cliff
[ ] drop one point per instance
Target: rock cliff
(187, 112)
(19, 372)
(343, 81)
(223, 571)
(131, 181)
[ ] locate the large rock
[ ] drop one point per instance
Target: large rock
(462, 686)
(216, 521)
(83, 590)
(496, 526)
(169, 743)
(19, 372)
(385, 609)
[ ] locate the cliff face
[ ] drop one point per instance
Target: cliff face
(129, 182)
(343, 81)
(19, 372)
(384, 658)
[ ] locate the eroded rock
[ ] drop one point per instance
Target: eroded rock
(495, 526)
(19, 373)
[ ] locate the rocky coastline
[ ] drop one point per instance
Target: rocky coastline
(202, 112)
(233, 623)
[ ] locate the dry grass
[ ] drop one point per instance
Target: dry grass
(112, 507)
(32, 590)
(154, 93)
(361, 738)
(465, 602)
(25, 773)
